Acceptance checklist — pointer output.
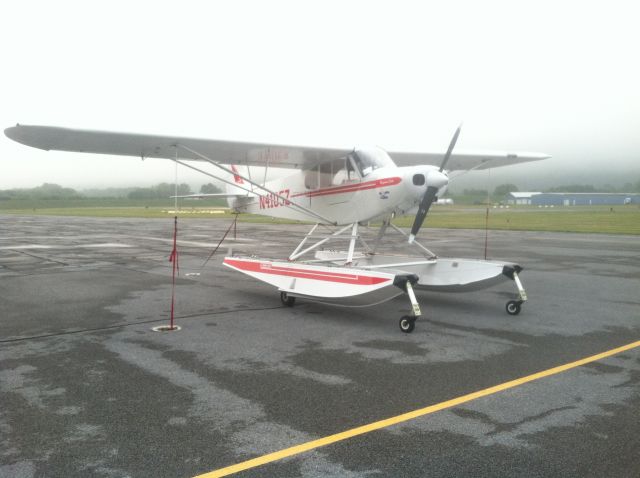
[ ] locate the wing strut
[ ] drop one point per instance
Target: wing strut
(285, 200)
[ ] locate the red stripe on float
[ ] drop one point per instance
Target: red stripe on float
(268, 268)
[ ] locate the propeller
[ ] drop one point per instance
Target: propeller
(435, 180)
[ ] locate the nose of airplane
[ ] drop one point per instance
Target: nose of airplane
(437, 179)
(421, 178)
(418, 179)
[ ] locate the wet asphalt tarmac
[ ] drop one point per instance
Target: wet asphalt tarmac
(87, 389)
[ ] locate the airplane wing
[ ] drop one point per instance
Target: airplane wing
(235, 152)
(152, 146)
(466, 160)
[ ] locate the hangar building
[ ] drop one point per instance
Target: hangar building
(572, 199)
(520, 198)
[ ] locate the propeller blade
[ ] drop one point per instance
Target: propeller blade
(430, 193)
(425, 204)
(452, 144)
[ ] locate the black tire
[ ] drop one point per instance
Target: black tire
(407, 324)
(513, 307)
(287, 300)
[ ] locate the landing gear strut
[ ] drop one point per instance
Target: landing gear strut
(408, 322)
(513, 307)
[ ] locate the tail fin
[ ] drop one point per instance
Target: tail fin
(243, 186)
(238, 180)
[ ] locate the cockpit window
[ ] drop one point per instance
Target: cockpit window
(333, 173)
(349, 169)
(368, 160)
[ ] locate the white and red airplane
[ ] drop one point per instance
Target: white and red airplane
(342, 188)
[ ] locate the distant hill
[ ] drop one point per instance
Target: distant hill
(45, 192)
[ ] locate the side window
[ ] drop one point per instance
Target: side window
(344, 172)
(332, 173)
(311, 178)
(340, 177)
(325, 175)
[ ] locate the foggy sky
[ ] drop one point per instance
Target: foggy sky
(554, 77)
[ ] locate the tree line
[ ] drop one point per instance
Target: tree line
(50, 191)
(46, 191)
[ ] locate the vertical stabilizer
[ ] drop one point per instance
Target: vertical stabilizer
(236, 179)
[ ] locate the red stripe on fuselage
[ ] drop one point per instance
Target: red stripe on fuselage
(349, 188)
(268, 268)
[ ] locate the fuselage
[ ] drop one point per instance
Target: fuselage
(362, 187)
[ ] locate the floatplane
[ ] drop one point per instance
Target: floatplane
(342, 188)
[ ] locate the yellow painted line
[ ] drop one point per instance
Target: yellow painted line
(311, 445)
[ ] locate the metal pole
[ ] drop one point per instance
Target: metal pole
(486, 220)
(174, 252)
(175, 267)
(486, 234)
(175, 203)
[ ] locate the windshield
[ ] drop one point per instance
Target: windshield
(369, 159)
